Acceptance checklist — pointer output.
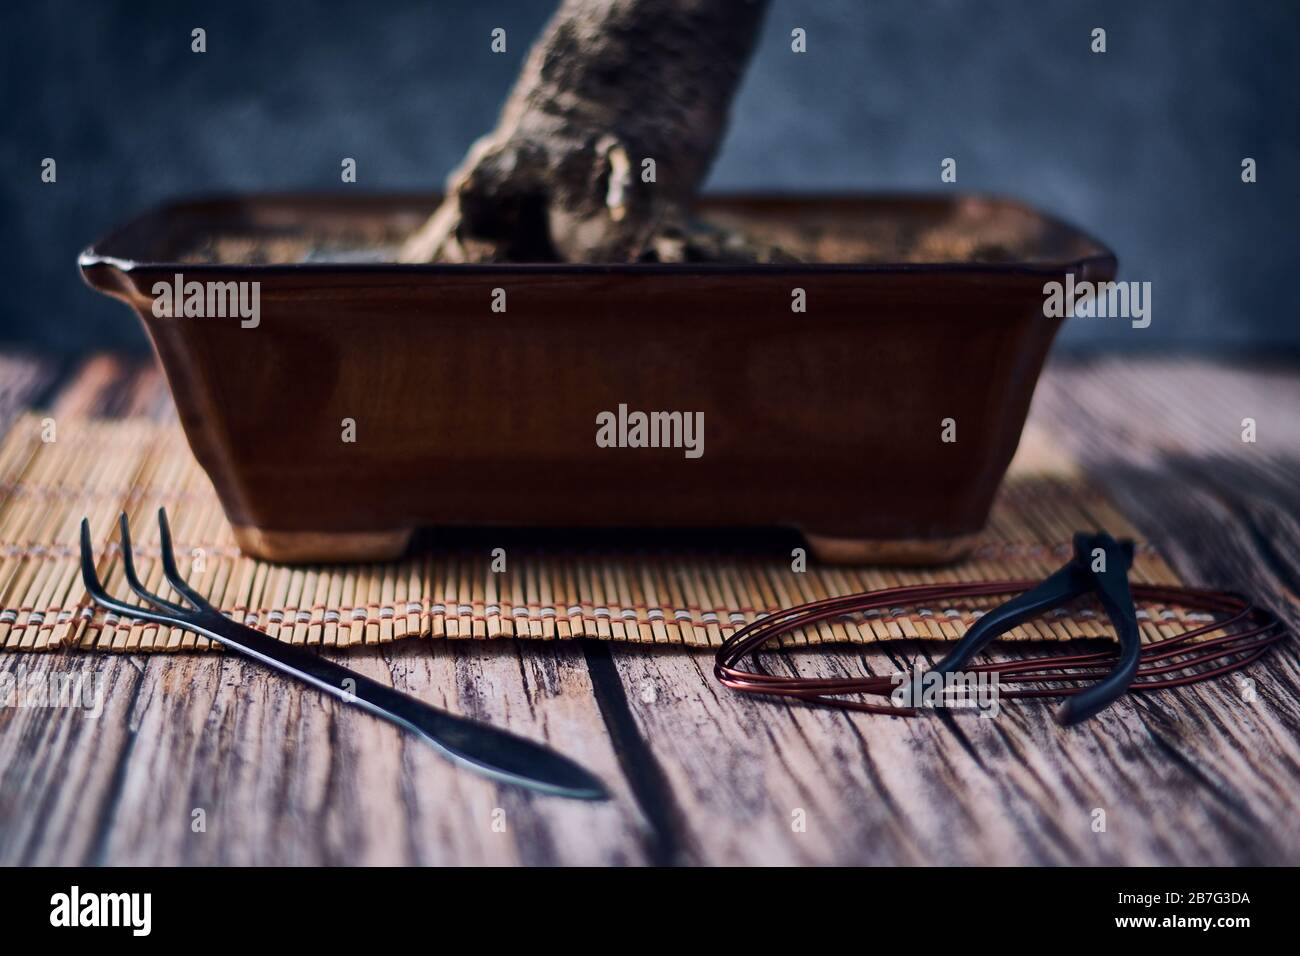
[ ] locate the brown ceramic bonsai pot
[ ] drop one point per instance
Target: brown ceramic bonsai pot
(829, 420)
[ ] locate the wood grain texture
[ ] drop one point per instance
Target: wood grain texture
(22, 381)
(285, 776)
(1194, 775)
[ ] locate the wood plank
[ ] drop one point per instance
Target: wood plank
(23, 380)
(287, 776)
(111, 386)
(1196, 775)
(1212, 787)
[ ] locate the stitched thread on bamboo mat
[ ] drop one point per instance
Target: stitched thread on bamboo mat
(101, 468)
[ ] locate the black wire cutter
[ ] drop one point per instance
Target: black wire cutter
(1100, 565)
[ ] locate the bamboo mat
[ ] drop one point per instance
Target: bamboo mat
(621, 591)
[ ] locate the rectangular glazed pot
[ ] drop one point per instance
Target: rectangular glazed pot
(829, 420)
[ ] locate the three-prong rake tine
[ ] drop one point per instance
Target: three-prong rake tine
(170, 570)
(90, 578)
(160, 610)
(496, 753)
(128, 568)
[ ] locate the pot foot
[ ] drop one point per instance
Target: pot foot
(297, 547)
(904, 551)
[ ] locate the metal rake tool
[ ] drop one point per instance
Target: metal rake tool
(483, 748)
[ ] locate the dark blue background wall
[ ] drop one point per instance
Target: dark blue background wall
(1141, 146)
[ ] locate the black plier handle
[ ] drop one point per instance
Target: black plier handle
(1100, 564)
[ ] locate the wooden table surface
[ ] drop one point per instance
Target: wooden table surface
(279, 774)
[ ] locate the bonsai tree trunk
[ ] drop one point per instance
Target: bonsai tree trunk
(604, 141)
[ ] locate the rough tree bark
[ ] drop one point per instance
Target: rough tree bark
(609, 84)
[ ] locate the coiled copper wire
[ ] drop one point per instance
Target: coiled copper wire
(1249, 632)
